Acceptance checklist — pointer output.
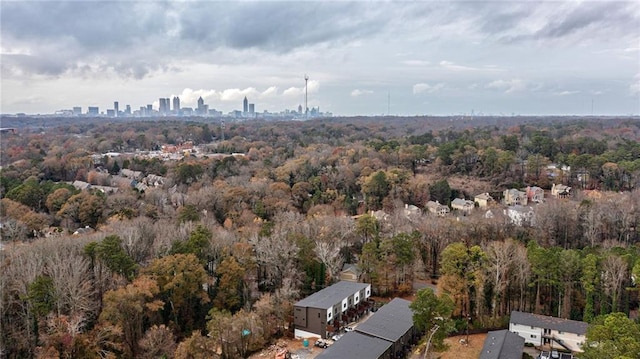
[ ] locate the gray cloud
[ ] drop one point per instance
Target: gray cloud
(609, 18)
(499, 46)
(112, 34)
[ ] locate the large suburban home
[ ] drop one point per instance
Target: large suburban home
(437, 208)
(514, 197)
(520, 215)
(483, 200)
(462, 205)
(326, 311)
(388, 333)
(560, 191)
(502, 344)
(535, 194)
(542, 330)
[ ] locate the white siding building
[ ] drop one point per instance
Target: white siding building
(542, 330)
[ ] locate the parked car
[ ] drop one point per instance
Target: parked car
(348, 329)
(555, 354)
(336, 337)
(321, 344)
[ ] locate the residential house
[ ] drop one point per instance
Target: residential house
(542, 330)
(520, 215)
(350, 272)
(502, 344)
(560, 191)
(81, 185)
(437, 208)
(388, 333)
(483, 200)
(106, 189)
(463, 205)
(411, 210)
(535, 194)
(380, 215)
(327, 310)
(154, 180)
(514, 197)
(136, 175)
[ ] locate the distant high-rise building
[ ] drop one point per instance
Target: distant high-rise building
(127, 110)
(93, 111)
(149, 111)
(200, 105)
(176, 104)
(111, 113)
(245, 105)
(299, 108)
(167, 104)
(162, 105)
(252, 108)
(77, 111)
(116, 108)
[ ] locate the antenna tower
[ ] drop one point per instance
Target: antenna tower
(306, 93)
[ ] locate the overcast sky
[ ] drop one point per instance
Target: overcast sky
(362, 58)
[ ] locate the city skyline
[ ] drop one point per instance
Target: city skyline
(362, 58)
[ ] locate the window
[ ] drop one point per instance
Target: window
(559, 332)
(329, 315)
(533, 336)
(344, 305)
(318, 315)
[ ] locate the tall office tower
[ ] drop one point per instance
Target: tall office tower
(299, 108)
(127, 110)
(200, 105)
(115, 108)
(167, 104)
(77, 111)
(245, 105)
(149, 110)
(176, 104)
(162, 106)
(252, 108)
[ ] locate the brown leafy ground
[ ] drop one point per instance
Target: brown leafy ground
(461, 351)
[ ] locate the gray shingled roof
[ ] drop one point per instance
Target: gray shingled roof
(502, 344)
(546, 322)
(390, 322)
(327, 297)
(354, 345)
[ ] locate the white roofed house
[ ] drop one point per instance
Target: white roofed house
(437, 208)
(514, 197)
(542, 330)
(463, 205)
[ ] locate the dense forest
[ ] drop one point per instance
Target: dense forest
(227, 242)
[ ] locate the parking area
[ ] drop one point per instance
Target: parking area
(554, 354)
